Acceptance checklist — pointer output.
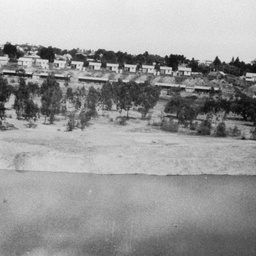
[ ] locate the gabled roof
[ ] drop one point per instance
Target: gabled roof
(166, 68)
(147, 66)
(130, 65)
(250, 74)
(94, 63)
(77, 62)
(184, 69)
(25, 59)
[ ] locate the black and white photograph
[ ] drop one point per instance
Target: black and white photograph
(128, 128)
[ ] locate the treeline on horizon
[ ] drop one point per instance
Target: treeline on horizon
(234, 67)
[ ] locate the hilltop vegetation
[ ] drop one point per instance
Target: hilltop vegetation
(235, 67)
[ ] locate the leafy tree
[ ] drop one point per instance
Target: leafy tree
(175, 60)
(51, 98)
(106, 96)
(221, 130)
(217, 63)
(186, 109)
(47, 53)
(69, 93)
(122, 96)
(147, 97)
(85, 117)
(5, 93)
(31, 109)
(10, 49)
(33, 88)
(21, 97)
(23, 104)
(92, 99)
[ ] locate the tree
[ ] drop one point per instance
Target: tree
(10, 49)
(69, 93)
(21, 97)
(186, 109)
(47, 53)
(147, 97)
(23, 104)
(216, 63)
(106, 96)
(51, 98)
(92, 99)
(5, 93)
(122, 96)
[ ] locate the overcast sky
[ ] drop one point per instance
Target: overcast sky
(201, 29)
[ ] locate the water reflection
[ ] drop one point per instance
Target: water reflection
(83, 214)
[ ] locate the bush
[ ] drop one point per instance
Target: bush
(221, 130)
(122, 120)
(236, 132)
(85, 117)
(12, 81)
(253, 133)
(170, 126)
(193, 126)
(204, 128)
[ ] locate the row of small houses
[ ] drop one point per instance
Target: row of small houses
(28, 62)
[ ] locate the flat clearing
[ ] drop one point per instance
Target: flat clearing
(105, 147)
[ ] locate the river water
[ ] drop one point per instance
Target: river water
(84, 214)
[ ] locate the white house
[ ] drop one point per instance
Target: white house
(4, 60)
(43, 63)
(77, 65)
(25, 62)
(59, 63)
(184, 71)
(112, 67)
(130, 68)
(250, 77)
(148, 69)
(166, 70)
(95, 65)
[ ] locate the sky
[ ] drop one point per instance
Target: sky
(202, 29)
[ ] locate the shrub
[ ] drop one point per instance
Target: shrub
(193, 126)
(221, 130)
(170, 126)
(85, 117)
(236, 132)
(253, 133)
(12, 81)
(122, 120)
(204, 128)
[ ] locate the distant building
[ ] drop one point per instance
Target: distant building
(166, 70)
(184, 71)
(25, 62)
(250, 77)
(33, 56)
(208, 62)
(130, 68)
(94, 65)
(59, 63)
(216, 75)
(148, 69)
(4, 60)
(112, 67)
(43, 63)
(78, 65)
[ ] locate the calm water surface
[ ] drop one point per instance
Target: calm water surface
(82, 214)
